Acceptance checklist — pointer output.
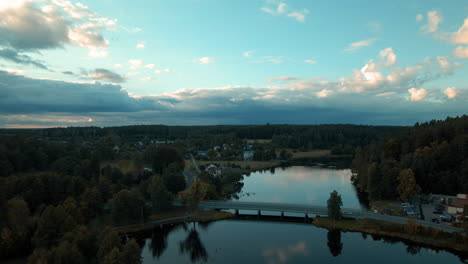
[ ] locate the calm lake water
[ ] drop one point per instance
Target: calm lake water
(248, 241)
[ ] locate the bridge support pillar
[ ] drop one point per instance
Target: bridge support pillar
(259, 213)
(237, 212)
(282, 215)
(306, 217)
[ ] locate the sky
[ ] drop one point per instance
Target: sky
(206, 62)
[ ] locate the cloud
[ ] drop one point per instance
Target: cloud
(206, 60)
(281, 8)
(450, 92)
(419, 17)
(140, 45)
(162, 71)
(461, 52)
(248, 54)
(68, 73)
(433, 20)
(357, 45)
(324, 93)
(417, 94)
(12, 55)
(461, 36)
(105, 75)
(98, 53)
(310, 61)
(49, 24)
(281, 79)
(135, 64)
(150, 66)
(299, 15)
(390, 55)
(146, 79)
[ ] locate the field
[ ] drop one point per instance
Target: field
(312, 154)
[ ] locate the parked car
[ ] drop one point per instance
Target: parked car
(438, 209)
(347, 213)
(435, 220)
(446, 218)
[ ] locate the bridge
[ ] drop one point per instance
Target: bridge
(306, 210)
(311, 211)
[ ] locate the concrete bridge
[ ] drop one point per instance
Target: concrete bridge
(306, 210)
(311, 211)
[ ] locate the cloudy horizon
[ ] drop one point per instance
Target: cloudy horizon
(204, 62)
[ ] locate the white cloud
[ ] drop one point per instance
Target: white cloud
(206, 60)
(390, 55)
(98, 53)
(419, 17)
(132, 74)
(324, 93)
(299, 15)
(417, 94)
(461, 52)
(281, 78)
(150, 66)
(135, 64)
(357, 45)
(118, 65)
(450, 92)
(310, 61)
(140, 45)
(281, 8)
(433, 20)
(146, 79)
(461, 36)
(248, 54)
(48, 24)
(162, 71)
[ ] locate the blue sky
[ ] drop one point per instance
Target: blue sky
(109, 62)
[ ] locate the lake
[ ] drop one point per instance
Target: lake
(250, 241)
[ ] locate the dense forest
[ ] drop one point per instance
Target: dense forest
(430, 157)
(56, 198)
(343, 139)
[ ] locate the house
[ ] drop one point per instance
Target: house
(202, 153)
(248, 154)
(116, 149)
(458, 204)
(214, 170)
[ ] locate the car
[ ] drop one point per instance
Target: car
(347, 213)
(435, 220)
(438, 209)
(446, 218)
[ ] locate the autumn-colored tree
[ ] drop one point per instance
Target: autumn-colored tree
(407, 186)
(108, 241)
(52, 225)
(173, 178)
(113, 257)
(195, 194)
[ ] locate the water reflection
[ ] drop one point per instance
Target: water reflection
(246, 241)
(284, 255)
(300, 184)
(334, 242)
(193, 246)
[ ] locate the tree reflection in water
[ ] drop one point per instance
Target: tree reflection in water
(158, 242)
(194, 246)
(334, 242)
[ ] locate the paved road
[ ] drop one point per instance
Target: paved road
(315, 209)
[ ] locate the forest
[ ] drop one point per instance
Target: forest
(430, 157)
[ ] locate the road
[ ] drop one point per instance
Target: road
(159, 222)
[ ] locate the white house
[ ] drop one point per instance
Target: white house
(248, 154)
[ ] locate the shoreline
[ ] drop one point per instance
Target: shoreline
(453, 242)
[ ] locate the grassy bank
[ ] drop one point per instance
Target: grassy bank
(197, 216)
(411, 231)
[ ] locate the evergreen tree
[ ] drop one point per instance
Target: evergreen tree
(334, 204)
